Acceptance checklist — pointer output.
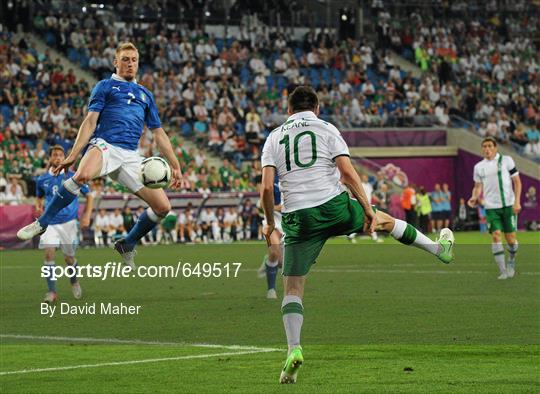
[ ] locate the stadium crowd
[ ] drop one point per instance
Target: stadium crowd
(227, 94)
(483, 69)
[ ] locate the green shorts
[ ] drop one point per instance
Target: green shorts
(306, 231)
(503, 219)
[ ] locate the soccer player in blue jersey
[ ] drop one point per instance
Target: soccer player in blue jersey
(274, 259)
(62, 231)
(118, 110)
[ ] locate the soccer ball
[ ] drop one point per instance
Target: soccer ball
(155, 173)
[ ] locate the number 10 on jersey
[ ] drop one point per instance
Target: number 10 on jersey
(286, 141)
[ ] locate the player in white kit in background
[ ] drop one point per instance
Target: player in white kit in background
(494, 177)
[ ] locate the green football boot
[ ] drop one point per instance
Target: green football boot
(446, 240)
(291, 367)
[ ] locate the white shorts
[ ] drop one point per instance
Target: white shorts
(277, 222)
(63, 235)
(122, 165)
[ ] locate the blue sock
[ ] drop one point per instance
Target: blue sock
(65, 195)
(144, 225)
(51, 284)
(271, 274)
(73, 279)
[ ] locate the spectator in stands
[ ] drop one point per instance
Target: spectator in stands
(423, 209)
(32, 128)
(186, 225)
(16, 127)
(14, 192)
(102, 228)
(462, 216)
(446, 199)
(230, 222)
(245, 216)
(207, 224)
(129, 219)
(225, 118)
(408, 203)
(437, 205)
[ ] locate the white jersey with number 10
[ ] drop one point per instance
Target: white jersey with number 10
(303, 151)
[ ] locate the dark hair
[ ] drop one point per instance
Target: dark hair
(303, 98)
(56, 147)
(490, 139)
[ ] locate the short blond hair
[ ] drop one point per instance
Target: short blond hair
(124, 46)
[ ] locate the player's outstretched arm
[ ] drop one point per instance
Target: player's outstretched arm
(516, 180)
(267, 200)
(164, 145)
(350, 178)
(83, 136)
(476, 191)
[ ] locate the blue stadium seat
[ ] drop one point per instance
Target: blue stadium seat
(239, 128)
(73, 55)
(281, 83)
(314, 74)
(6, 111)
(371, 75)
(219, 44)
(84, 60)
(325, 74)
(50, 39)
(187, 131)
(336, 74)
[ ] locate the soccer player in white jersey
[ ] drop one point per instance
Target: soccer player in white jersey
(495, 176)
(312, 162)
(118, 110)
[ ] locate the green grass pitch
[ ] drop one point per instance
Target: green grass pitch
(378, 318)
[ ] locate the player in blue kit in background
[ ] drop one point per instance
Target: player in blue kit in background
(118, 110)
(62, 231)
(274, 259)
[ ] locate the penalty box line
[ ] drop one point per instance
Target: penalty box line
(117, 341)
(144, 361)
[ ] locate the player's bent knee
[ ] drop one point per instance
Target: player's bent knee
(274, 255)
(385, 222)
(82, 177)
(162, 210)
(496, 235)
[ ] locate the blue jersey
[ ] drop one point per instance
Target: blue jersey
(124, 107)
(436, 206)
(446, 202)
(277, 192)
(47, 186)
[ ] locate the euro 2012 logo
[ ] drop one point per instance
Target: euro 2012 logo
(395, 174)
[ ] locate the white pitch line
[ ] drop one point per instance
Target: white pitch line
(148, 360)
(137, 342)
(404, 271)
(437, 272)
